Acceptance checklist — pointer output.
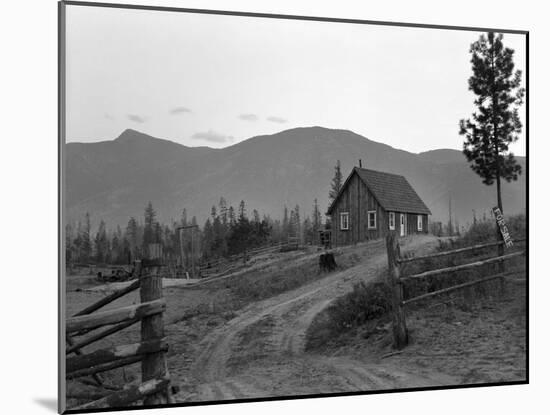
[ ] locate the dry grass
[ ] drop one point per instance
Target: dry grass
(365, 304)
(364, 311)
(285, 276)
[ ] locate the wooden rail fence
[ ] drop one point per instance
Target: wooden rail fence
(396, 278)
(219, 266)
(150, 351)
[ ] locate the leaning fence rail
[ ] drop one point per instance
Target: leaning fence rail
(150, 351)
(396, 278)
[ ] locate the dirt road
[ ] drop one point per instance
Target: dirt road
(260, 352)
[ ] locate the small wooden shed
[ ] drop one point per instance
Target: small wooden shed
(371, 204)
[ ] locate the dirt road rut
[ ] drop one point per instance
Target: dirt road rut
(260, 352)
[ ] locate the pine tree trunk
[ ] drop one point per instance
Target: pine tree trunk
(497, 158)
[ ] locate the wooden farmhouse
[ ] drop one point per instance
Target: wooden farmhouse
(371, 204)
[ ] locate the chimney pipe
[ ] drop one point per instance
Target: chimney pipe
(360, 164)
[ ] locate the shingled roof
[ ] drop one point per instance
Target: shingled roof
(393, 192)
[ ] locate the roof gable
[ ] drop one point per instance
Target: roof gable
(392, 191)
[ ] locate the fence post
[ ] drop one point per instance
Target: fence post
(152, 327)
(400, 335)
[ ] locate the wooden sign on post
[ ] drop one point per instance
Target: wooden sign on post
(503, 228)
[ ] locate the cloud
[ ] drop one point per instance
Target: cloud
(212, 137)
(179, 110)
(109, 116)
(276, 119)
(248, 117)
(137, 118)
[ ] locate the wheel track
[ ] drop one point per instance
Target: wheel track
(292, 313)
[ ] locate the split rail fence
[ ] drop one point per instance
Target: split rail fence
(222, 266)
(150, 351)
(397, 277)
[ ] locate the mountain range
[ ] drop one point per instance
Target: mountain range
(113, 180)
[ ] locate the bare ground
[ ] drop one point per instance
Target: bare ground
(261, 351)
(225, 346)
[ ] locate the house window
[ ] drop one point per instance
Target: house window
(391, 220)
(371, 219)
(419, 222)
(344, 221)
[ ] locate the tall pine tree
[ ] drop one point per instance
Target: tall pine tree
(495, 124)
(297, 224)
(336, 183)
(86, 243)
(101, 244)
(242, 211)
(132, 238)
(316, 222)
(149, 229)
(223, 211)
(286, 224)
(231, 216)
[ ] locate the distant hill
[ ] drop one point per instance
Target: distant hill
(443, 156)
(114, 180)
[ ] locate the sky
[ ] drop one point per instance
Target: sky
(210, 80)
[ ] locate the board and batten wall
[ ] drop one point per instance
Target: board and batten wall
(357, 200)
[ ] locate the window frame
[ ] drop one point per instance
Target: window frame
(369, 212)
(419, 222)
(342, 216)
(391, 215)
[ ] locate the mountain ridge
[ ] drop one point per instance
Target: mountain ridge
(114, 179)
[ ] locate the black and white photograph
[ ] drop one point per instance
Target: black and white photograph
(266, 206)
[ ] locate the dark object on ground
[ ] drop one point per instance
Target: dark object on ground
(327, 262)
(117, 274)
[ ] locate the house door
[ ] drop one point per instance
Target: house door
(402, 224)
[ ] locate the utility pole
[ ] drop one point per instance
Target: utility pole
(182, 228)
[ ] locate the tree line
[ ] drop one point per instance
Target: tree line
(227, 231)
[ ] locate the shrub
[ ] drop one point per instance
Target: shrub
(517, 226)
(364, 303)
(483, 231)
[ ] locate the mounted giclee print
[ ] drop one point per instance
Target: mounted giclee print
(257, 206)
